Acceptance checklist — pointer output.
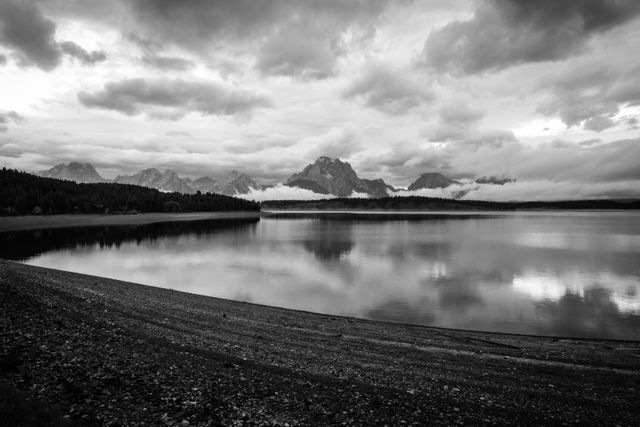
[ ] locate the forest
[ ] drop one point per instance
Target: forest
(434, 204)
(25, 193)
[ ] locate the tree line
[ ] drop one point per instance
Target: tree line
(23, 193)
(434, 204)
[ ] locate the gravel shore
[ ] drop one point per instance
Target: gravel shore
(84, 350)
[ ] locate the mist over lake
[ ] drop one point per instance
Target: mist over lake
(550, 273)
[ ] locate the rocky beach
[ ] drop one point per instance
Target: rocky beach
(84, 350)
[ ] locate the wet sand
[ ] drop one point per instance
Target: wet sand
(90, 350)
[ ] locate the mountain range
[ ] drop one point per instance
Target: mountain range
(233, 184)
(324, 176)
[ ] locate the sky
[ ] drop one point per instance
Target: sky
(546, 93)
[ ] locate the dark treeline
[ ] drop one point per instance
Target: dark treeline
(22, 193)
(22, 245)
(433, 204)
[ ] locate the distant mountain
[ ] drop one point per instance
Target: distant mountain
(205, 184)
(168, 180)
(235, 183)
(333, 176)
(494, 180)
(78, 172)
(324, 176)
(431, 180)
(377, 187)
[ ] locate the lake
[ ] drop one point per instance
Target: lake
(571, 274)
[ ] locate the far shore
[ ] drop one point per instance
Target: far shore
(34, 222)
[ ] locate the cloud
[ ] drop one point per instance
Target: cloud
(178, 133)
(256, 143)
(598, 163)
(456, 121)
(10, 116)
(7, 117)
(388, 89)
(590, 92)
(561, 161)
(340, 143)
(599, 123)
(152, 56)
(504, 33)
(75, 51)
(197, 22)
(283, 192)
(493, 137)
(30, 34)
(297, 38)
(294, 52)
(172, 99)
(535, 190)
(3, 60)
(166, 63)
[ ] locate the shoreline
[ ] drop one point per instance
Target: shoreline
(69, 338)
(36, 222)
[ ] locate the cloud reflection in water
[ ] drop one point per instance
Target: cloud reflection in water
(544, 274)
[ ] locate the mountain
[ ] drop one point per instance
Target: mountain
(377, 187)
(431, 180)
(78, 172)
(333, 176)
(167, 181)
(235, 183)
(205, 184)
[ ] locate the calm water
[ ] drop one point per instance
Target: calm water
(568, 274)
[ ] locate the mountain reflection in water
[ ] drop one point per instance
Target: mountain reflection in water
(569, 274)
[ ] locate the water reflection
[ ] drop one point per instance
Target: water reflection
(22, 245)
(569, 274)
(328, 240)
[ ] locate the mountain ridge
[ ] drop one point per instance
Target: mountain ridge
(326, 175)
(73, 171)
(167, 181)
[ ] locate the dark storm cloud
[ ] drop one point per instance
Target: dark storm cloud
(196, 22)
(75, 51)
(503, 33)
(302, 39)
(591, 93)
(172, 99)
(382, 87)
(31, 35)
(294, 53)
